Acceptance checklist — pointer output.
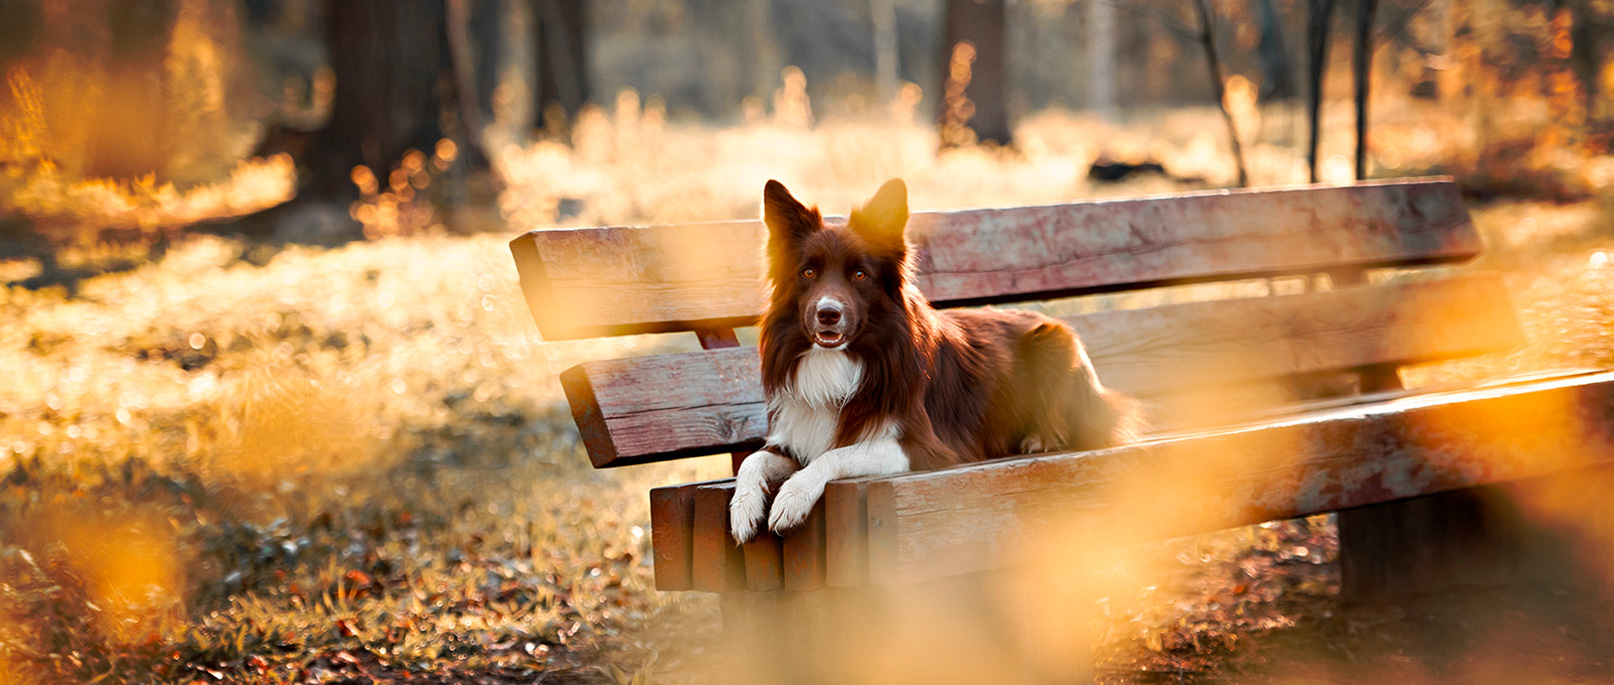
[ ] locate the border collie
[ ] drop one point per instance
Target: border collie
(864, 378)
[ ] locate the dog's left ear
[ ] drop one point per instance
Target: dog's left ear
(882, 219)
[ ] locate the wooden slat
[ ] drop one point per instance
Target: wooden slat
(804, 551)
(1378, 377)
(672, 526)
(716, 340)
(982, 516)
(632, 411)
(832, 547)
(764, 561)
(717, 565)
(592, 282)
(846, 533)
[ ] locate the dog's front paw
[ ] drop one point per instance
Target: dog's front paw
(793, 503)
(1032, 444)
(746, 509)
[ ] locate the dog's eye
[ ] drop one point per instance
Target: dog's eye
(860, 275)
(809, 272)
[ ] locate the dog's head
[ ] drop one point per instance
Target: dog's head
(836, 277)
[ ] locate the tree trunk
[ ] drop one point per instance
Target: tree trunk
(20, 29)
(1317, 49)
(883, 15)
(1277, 74)
(1207, 40)
(489, 46)
(1586, 59)
(762, 43)
(129, 138)
(1363, 68)
(462, 50)
(562, 32)
(1101, 59)
(393, 80)
(977, 99)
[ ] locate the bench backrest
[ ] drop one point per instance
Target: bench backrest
(707, 278)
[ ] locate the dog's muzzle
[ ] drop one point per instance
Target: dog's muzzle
(828, 333)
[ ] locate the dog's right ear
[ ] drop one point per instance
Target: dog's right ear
(788, 220)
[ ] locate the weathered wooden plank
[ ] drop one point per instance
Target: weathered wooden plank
(717, 564)
(804, 551)
(716, 340)
(846, 533)
(592, 282)
(764, 561)
(1158, 350)
(672, 526)
(632, 411)
(982, 516)
(1377, 377)
(833, 550)
(1492, 537)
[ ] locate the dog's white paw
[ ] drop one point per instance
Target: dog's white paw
(746, 509)
(793, 503)
(1032, 444)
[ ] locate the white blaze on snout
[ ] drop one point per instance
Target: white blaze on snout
(827, 302)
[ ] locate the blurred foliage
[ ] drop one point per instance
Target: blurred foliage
(212, 466)
(109, 123)
(1507, 96)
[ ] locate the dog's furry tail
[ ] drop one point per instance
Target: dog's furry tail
(1087, 414)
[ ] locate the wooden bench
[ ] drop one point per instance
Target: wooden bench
(1267, 407)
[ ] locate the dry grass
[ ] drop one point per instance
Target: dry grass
(249, 466)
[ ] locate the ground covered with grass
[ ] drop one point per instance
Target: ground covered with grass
(338, 462)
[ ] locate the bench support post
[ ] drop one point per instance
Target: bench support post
(1491, 537)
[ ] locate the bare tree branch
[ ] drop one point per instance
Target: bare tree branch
(1207, 39)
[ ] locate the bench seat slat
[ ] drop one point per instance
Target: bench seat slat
(981, 516)
(593, 282)
(832, 547)
(653, 408)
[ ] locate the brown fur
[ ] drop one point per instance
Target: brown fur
(963, 385)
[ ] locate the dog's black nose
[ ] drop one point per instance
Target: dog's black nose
(828, 316)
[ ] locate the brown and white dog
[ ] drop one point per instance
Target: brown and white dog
(863, 377)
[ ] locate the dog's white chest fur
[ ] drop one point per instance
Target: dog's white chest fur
(806, 412)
